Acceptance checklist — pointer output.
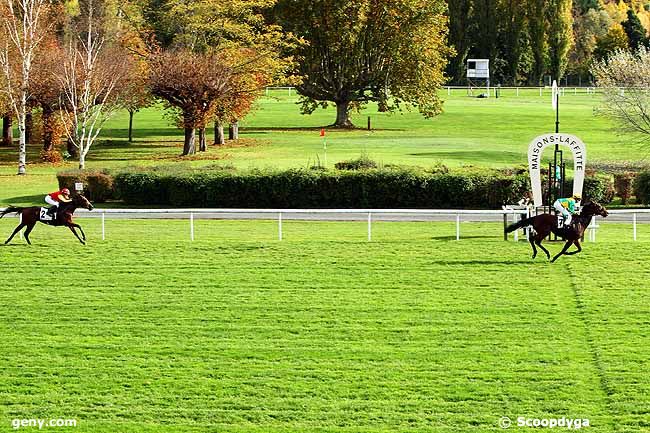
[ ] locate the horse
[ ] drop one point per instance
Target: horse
(545, 224)
(32, 215)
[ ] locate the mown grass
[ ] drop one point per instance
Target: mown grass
(322, 332)
(480, 132)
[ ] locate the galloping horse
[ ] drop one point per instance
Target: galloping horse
(545, 224)
(32, 215)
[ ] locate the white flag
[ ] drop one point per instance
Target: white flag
(555, 95)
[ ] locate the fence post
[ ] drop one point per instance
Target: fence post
(369, 226)
(540, 91)
(103, 226)
(457, 227)
(517, 91)
(192, 226)
(280, 226)
(448, 91)
(505, 224)
(514, 220)
(634, 224)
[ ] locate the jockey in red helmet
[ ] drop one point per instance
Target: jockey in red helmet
(56, 198)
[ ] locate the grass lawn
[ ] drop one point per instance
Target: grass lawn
(323, 332)
(482, 132)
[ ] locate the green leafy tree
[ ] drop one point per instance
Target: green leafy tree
(560, 35)
(587, 28)
(615, 39)
(460, 28)
(635, 31)
(389, 51)
(537, 26)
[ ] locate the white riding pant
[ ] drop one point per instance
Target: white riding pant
(567, 215)
(49, 200)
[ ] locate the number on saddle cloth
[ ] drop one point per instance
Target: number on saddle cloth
(46, 216)
(560, 220)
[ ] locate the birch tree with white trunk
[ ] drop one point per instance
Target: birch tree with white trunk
(92, 74)
(24, 25)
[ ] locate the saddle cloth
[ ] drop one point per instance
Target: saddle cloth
(44, 215)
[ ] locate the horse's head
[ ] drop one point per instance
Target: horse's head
(80, 201)
(594, 208)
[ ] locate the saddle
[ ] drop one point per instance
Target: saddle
(46, 215)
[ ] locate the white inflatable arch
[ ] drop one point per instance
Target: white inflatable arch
(535, 151)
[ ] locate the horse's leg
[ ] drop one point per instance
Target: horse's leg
(577, 244)
(538, 241)
(28, 231)
(19, 228)
(76, 234)
(83, 235)
(532, 244)
(566, 247)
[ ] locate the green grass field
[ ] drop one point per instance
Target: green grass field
(322, 332)
(480, 132)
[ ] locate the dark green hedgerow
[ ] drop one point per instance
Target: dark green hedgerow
(378, 188)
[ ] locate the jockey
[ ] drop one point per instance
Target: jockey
(567, 207)
(56, 198)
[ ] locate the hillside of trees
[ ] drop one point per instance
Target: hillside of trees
(530, 42)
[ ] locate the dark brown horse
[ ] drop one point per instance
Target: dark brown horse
(545, 224)
(31, 215)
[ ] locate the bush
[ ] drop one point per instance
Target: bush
(361, 163)
(98, 185)
(623, 184)
(642, 187)
(51, 156)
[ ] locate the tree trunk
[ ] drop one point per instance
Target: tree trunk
(131, 113)
(29, 126)
(343, 115)
(7, 131)
(233, 131)
(70, 147)
(189, 147)
(202, 145)
(48, 144)
(82, 161)
(219, 138)
(22, 145)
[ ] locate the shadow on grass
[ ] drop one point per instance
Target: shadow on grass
(37, 198)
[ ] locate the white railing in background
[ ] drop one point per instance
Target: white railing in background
(541, 89)
(369, 215)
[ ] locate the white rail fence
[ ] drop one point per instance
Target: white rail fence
(369, 215)
(281, 215)
(542, 90)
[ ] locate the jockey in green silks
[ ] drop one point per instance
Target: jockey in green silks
(567, 207)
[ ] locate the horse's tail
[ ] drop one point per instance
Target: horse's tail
(521, 224)
(11, 209)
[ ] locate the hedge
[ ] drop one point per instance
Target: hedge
(98, 185)
(642, 187)
(376, 188)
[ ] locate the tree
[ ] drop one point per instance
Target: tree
(93, 75)
(25, 25)
(614, 40)
(512, 33)
(538, 41)
(587, 28)
(636, 33)
(459, 38)
(624, 78)
(388, 51)
(560, 35)
(190, 83)
(46, 91)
